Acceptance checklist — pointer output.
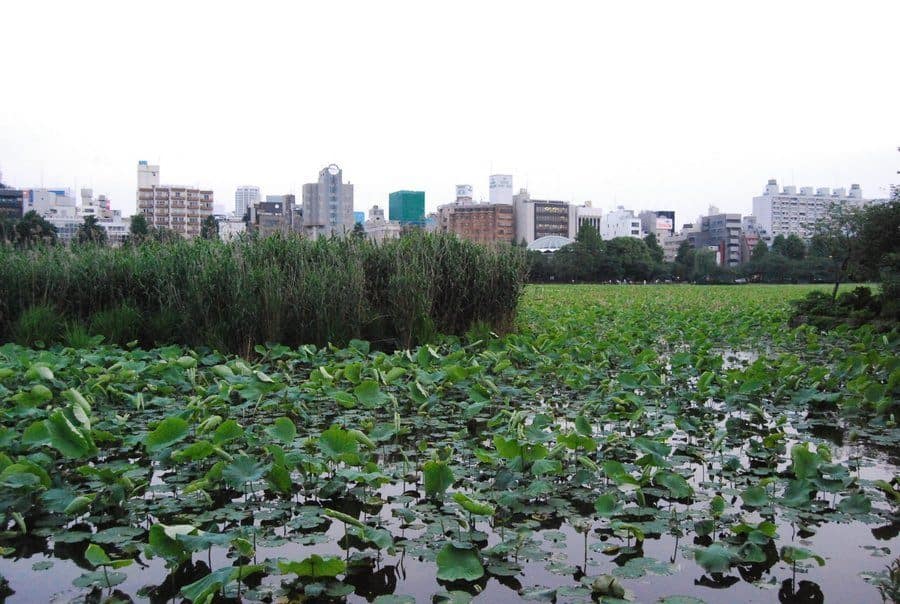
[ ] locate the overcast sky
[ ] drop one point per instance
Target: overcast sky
(650, 105)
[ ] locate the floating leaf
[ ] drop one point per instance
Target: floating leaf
(284, 430)
(473, 506)
(168, 432)
(456, 563)
(715, 558)
(314, 567)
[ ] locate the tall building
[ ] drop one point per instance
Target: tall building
(274, 215)
(244, 197)
(536, 218)
(790, 212)
(328, 204)
(584, 215)
(359, 218)
(175, 207)
(722, 232)
(111, 221)
(659, 222)
(486, 223)
(620, 223)
(407, 207)
(12, 202)
(501, 188)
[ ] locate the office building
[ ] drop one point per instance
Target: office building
(536, 218)
(12, 202)
(721, 232)
(244, 197)
(659, 222)
(359, 218)
(584, 215)
(175, 207)
(407, 208)
(620, 223)
(274, 215)
(487, 223)
(792, 212)
(328, 204)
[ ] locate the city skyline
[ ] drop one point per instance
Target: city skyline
(682, 109)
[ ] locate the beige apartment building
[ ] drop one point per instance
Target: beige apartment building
(479, 222)
(178, 208)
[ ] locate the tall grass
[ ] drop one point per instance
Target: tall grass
(283, 289)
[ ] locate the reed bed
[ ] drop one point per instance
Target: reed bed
(280, 289)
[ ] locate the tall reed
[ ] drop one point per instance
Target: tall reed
(282, 289)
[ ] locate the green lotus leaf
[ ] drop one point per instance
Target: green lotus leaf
(168, 432)
(456, 563)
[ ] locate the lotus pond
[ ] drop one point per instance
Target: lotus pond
(656, 443)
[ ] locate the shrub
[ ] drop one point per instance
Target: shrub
(118, 325)
(38, 324)
(75, 335)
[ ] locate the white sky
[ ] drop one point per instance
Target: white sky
(651, 105)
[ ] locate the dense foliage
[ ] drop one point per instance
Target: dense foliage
(591, 259)
(626, 443)
(853, 244)
(235, 295)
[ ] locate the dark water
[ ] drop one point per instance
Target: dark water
(850, 548)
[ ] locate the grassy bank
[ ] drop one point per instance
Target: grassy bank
(280, 289)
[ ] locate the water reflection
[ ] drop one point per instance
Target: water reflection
(807, 592)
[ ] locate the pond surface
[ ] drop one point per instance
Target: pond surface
(621, 450)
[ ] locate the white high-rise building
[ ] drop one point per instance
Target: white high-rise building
(244, 197)
(175, 207)
(501, 188)
(620, 223)
(789, 212)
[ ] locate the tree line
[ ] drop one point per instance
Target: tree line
(32, 229)
(852, 244)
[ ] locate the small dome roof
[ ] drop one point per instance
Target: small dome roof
(550, 243)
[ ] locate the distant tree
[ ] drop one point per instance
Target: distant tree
(879, 235)
(209, 228)
(91, 232)
(684, 261)
(656, 251)
(760, 250)
(633, 256)
(139, 229)
(7, 229)
(778, 245)
(589, 237)
(838, 235)
(33, 228)
(359, 231)
(164, 235)
(794, 248)
(704, 264)
(818, 246)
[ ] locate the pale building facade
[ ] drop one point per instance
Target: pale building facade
(244, 197)
(792, 212)
(175, 207)
(620, 223)
(328, 204)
